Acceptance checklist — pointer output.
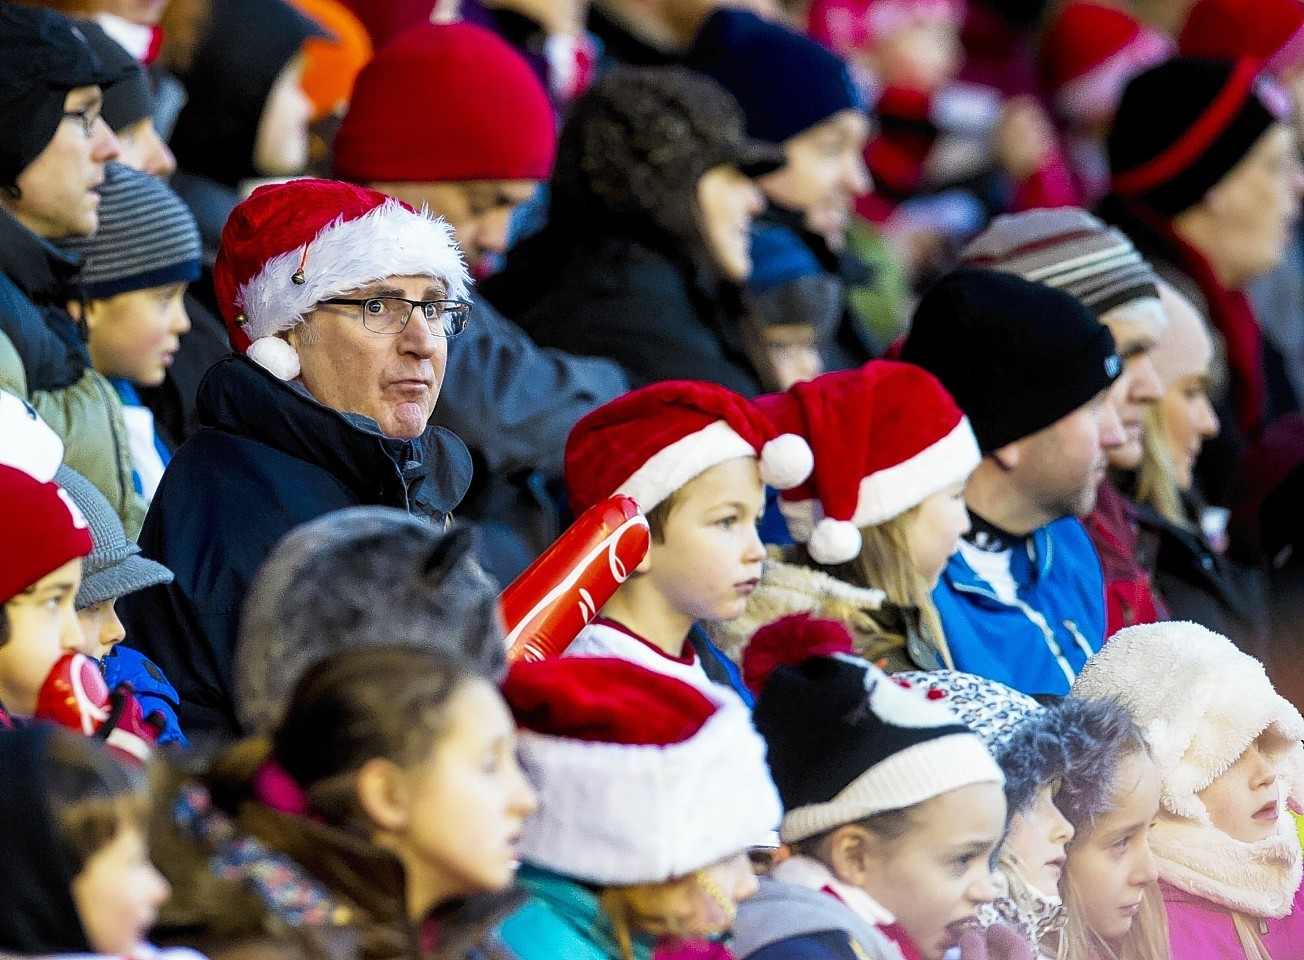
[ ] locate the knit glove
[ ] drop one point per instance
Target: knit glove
(997, 942)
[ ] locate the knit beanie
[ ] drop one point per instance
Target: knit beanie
(649, 442)
(1199, 701)
(291, 245)
(1016, 355)
(851, 26)
(784, 82)
(1089, 51)
(332, 64)
(1271, 30)
(846, 741)
(43, 55)
(43, 530)
(1070, 250)
(489, 116)
(641, 777)
(114, 567)
(147, 237)
(1184, 124)
(885, 437)
(129, 100)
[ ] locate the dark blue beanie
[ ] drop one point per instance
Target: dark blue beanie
(786, 83)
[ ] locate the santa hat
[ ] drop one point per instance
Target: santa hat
(852, 26)
(648, 443)
(846, 741)
(1199, 701)
(26, 441)
(641, 777)
(1271, 30)
(290, 246)
(43, 530)
(1089, 51)
(885, 438)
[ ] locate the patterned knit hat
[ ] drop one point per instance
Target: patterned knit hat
(847, 741)
(1089, 51)
(1184, 124)
(641, 777)
(648, 443)
(1272, 30)
(1016, 355)
(885, 437)
(290, 246)
(147, 237)
(114, 568)
(1069, 249)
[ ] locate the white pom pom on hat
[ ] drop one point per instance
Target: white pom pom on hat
(834, 541)
(276, 356)
(786, 461)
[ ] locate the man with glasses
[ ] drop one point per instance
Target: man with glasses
(340, 303)
(52, 159)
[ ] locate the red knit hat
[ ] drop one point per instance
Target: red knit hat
(43, 530)
(651, 441)
(790, 640)
(885, 437)
(1089, 51)
(448, 101)
(641, 777)
(291, 245)
(1268, 30)
(848, 26)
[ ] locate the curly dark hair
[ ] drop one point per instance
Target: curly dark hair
(632, 151)
(1035, 753)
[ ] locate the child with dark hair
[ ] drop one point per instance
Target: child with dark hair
(77, 878)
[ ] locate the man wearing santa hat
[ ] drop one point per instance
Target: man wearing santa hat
(339, 302)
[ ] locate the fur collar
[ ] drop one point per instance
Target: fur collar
(1260, 879)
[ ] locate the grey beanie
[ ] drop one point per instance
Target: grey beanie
(1069, 249)
(147, 237)
(114, 567)
(357, 578)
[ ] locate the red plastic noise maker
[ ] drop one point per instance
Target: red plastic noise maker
(546, 607)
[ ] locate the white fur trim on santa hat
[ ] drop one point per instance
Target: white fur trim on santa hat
(910, 776)
(1199, 701)
(389, 241)
(673, 466)
(886, 493)
(617, 814)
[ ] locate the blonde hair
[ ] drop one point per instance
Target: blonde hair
(1156, 477)
(1146, 940)
(667, 908)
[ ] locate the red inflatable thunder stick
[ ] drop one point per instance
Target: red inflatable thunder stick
(547, 606)
(75, 696)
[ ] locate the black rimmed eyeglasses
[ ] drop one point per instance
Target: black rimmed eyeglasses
(86, 116)
(390, 315)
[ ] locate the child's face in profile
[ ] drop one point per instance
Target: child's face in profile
(118, 894)
(1038, 837)
(101, 629)
(1111, 869)
(135, 335)
(709, 559)
(43, 627)
(1245, 802)
(793, 353)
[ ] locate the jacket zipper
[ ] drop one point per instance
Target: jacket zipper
(1036, 618)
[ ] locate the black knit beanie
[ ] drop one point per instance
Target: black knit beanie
(1016, 355)
(1183, 125)
(130, 100)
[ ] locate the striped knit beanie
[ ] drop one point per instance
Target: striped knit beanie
(147, 237)
(1069, 249)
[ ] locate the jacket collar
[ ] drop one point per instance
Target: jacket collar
(42, 271)
(578, 906)
(429, 475)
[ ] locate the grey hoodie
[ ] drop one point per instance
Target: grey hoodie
(782, 912)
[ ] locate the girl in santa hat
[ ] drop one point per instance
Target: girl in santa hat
(879, 516)
(381, 815)
(651, 791)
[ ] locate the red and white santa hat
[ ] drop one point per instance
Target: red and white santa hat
(1269, 30)
(1090, 50)
(885, 437)
(290, 246)
(641, 777)
(649, 442)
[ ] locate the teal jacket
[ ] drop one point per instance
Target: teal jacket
(562, 918)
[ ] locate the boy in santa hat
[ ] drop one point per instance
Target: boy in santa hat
(695, 457)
